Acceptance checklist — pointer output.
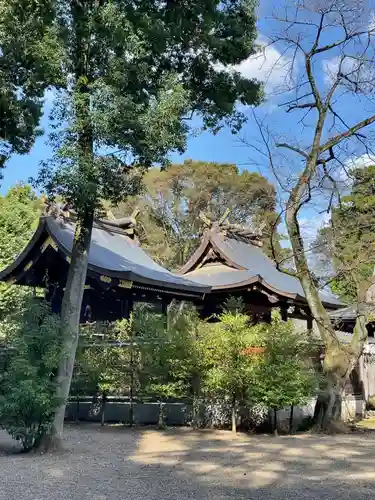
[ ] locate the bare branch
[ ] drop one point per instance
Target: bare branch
(309, 105)
(296, 99)
(311, 79)
(292, 148)
(346, 135)
(330, 46)
(319, 32)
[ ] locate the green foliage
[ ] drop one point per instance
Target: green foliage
(349, 241)
(104, 359)
(169, 356)
(234, 305)
(230, 360)
(133, 73)
(238, 369)
(172, 200)
(371, 403)
(155, 360)
(230, 369)
(19, 212)
(285, 375)
(27, 385)
(30, 62)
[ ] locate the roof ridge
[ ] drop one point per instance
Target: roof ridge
(238, 232)
(62, 211)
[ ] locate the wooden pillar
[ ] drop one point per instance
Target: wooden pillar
(310, 324)
(362, 375)
(284, 312)
(267, 316)
(127, 306)
(164, 306)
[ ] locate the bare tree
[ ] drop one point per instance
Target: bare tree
(331, 58)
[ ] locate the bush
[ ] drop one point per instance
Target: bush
(285, 377)
(370, 405)
(28, 384)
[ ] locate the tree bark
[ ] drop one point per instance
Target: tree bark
(131, 392)
(234, 414)
(275, 433)
(161, 423)
(104, 405)
(196, 383)
(337, 367)
(75, 285)
(291, 419)
(339, 359)
(69, 325)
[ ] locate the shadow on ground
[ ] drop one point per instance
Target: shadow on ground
(116, 463)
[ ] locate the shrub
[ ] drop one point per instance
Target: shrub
(370, 405)
(230, 369)
(285, 377)
(28, 384)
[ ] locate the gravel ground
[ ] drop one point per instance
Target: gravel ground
(113, 463)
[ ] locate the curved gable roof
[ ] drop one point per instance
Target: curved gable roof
(248, 263)
(112, 253)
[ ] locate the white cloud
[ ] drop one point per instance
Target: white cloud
(310, 225)
(361, 161)
(331, 67)
(269, 65)
(371, 24)
(343, 174)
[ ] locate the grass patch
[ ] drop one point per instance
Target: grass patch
(368, 423)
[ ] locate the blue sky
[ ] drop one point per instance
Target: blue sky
(224, 147)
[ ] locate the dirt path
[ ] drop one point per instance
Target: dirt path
(182, 464)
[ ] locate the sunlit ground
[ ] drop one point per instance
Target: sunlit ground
(368, 423)
(113, 463)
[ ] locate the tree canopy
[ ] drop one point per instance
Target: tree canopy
(132, 74)
(19, 212)
(29, 63)
(169, 222)
(346, 247)
(316, 144)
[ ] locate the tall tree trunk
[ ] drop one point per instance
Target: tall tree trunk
(75, 285)
(234, 414)
(291, 419)
(161, 422)
(275, 433)
(339, 359)
(104, 406)
(337, 366)
(131, 392)
(196, 401)
(69, 325)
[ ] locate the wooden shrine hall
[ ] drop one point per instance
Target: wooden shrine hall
(228, 262)
(231, 262)
(119, 271)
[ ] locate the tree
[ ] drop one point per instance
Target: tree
(133, 72)
(332, 45)
(19, 214)
(230, 368)
(28, 384)
(170, 206)
(169, 360)
(189, 363)
(30, 62)
(285, 375)
(347, 244)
